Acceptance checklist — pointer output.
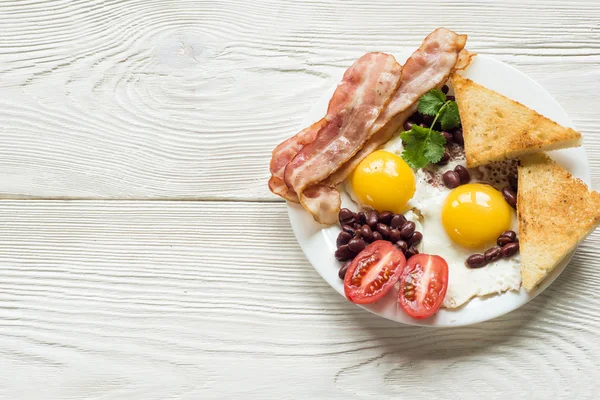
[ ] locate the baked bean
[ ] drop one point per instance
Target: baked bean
(343, 238)
(415, 239)
(407, 229)
(377, 236)
(343, 253)
(492, 254)
(512, 235)
(411, 252)
(513, 182)
(401, 245)
(445, 158)
(503, 240)
(445, 89)
(372, 219)
(408, 125)
(346, 216)
(383, 229)
(366, 233)
(344, 269)
(357, 245)
(397, 221)
(476, 261)
(385, 217)
(510, 196)
(361, 218)
(458, 137)
(451, 179)
(349, 229)
(509, 250)
(394, 235)
(463, 174)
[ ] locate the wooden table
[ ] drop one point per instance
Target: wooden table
(141, 254)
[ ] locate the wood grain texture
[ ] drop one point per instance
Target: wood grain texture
(154, 300)
(186, 99)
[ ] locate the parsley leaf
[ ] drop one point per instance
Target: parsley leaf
(422, 146)
(431, 102)
(450, 118)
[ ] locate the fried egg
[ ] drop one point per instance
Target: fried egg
(455, 223)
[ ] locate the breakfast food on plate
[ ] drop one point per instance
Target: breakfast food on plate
(497, 128)
(436, 196)
(556, 213)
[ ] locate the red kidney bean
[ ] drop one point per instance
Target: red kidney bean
(401, 245)
(451, 179)
(383, 229)
(344, 269)
(346, 216)
(445, 158)
(411, 252)
(356, 226)
(366, 233)
(385, 217)
(428, 120)
(450, 98)
(492, 254)
(445, 89)
(407, 229)
(361, 218)
(372, 219)
(463, 174)
(394, 235)
(512, 235)
(408, 125)
(357, 245)
(476, 261)
(510, 196)
(503, 240)
(343, 253)
(349, 229)
(343, 238)
(397, 221)
(510, 249)
(415, 239)
(448, 136)
(458, 137)
(377, 236)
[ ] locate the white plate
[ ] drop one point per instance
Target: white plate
(318, 241)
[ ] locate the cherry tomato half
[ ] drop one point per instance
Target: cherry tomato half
(373, 272)
(423, 284)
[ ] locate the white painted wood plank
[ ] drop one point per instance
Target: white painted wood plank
(186, 99)
(180, 300)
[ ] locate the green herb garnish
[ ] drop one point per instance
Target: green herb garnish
(424, 146)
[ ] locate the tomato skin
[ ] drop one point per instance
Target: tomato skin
(423, 285)
(381, 257)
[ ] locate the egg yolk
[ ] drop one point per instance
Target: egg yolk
(384, 182)
(475, 214)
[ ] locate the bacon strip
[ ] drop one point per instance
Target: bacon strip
(365, 90)
(427, 68)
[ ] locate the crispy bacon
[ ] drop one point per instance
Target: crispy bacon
(365, 90)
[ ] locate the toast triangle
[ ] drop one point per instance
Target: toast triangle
(496, 128)
(556, 212)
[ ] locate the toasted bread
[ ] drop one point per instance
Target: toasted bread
(556, 212)
(497, 128)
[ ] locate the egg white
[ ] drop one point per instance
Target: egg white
(463, 283)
